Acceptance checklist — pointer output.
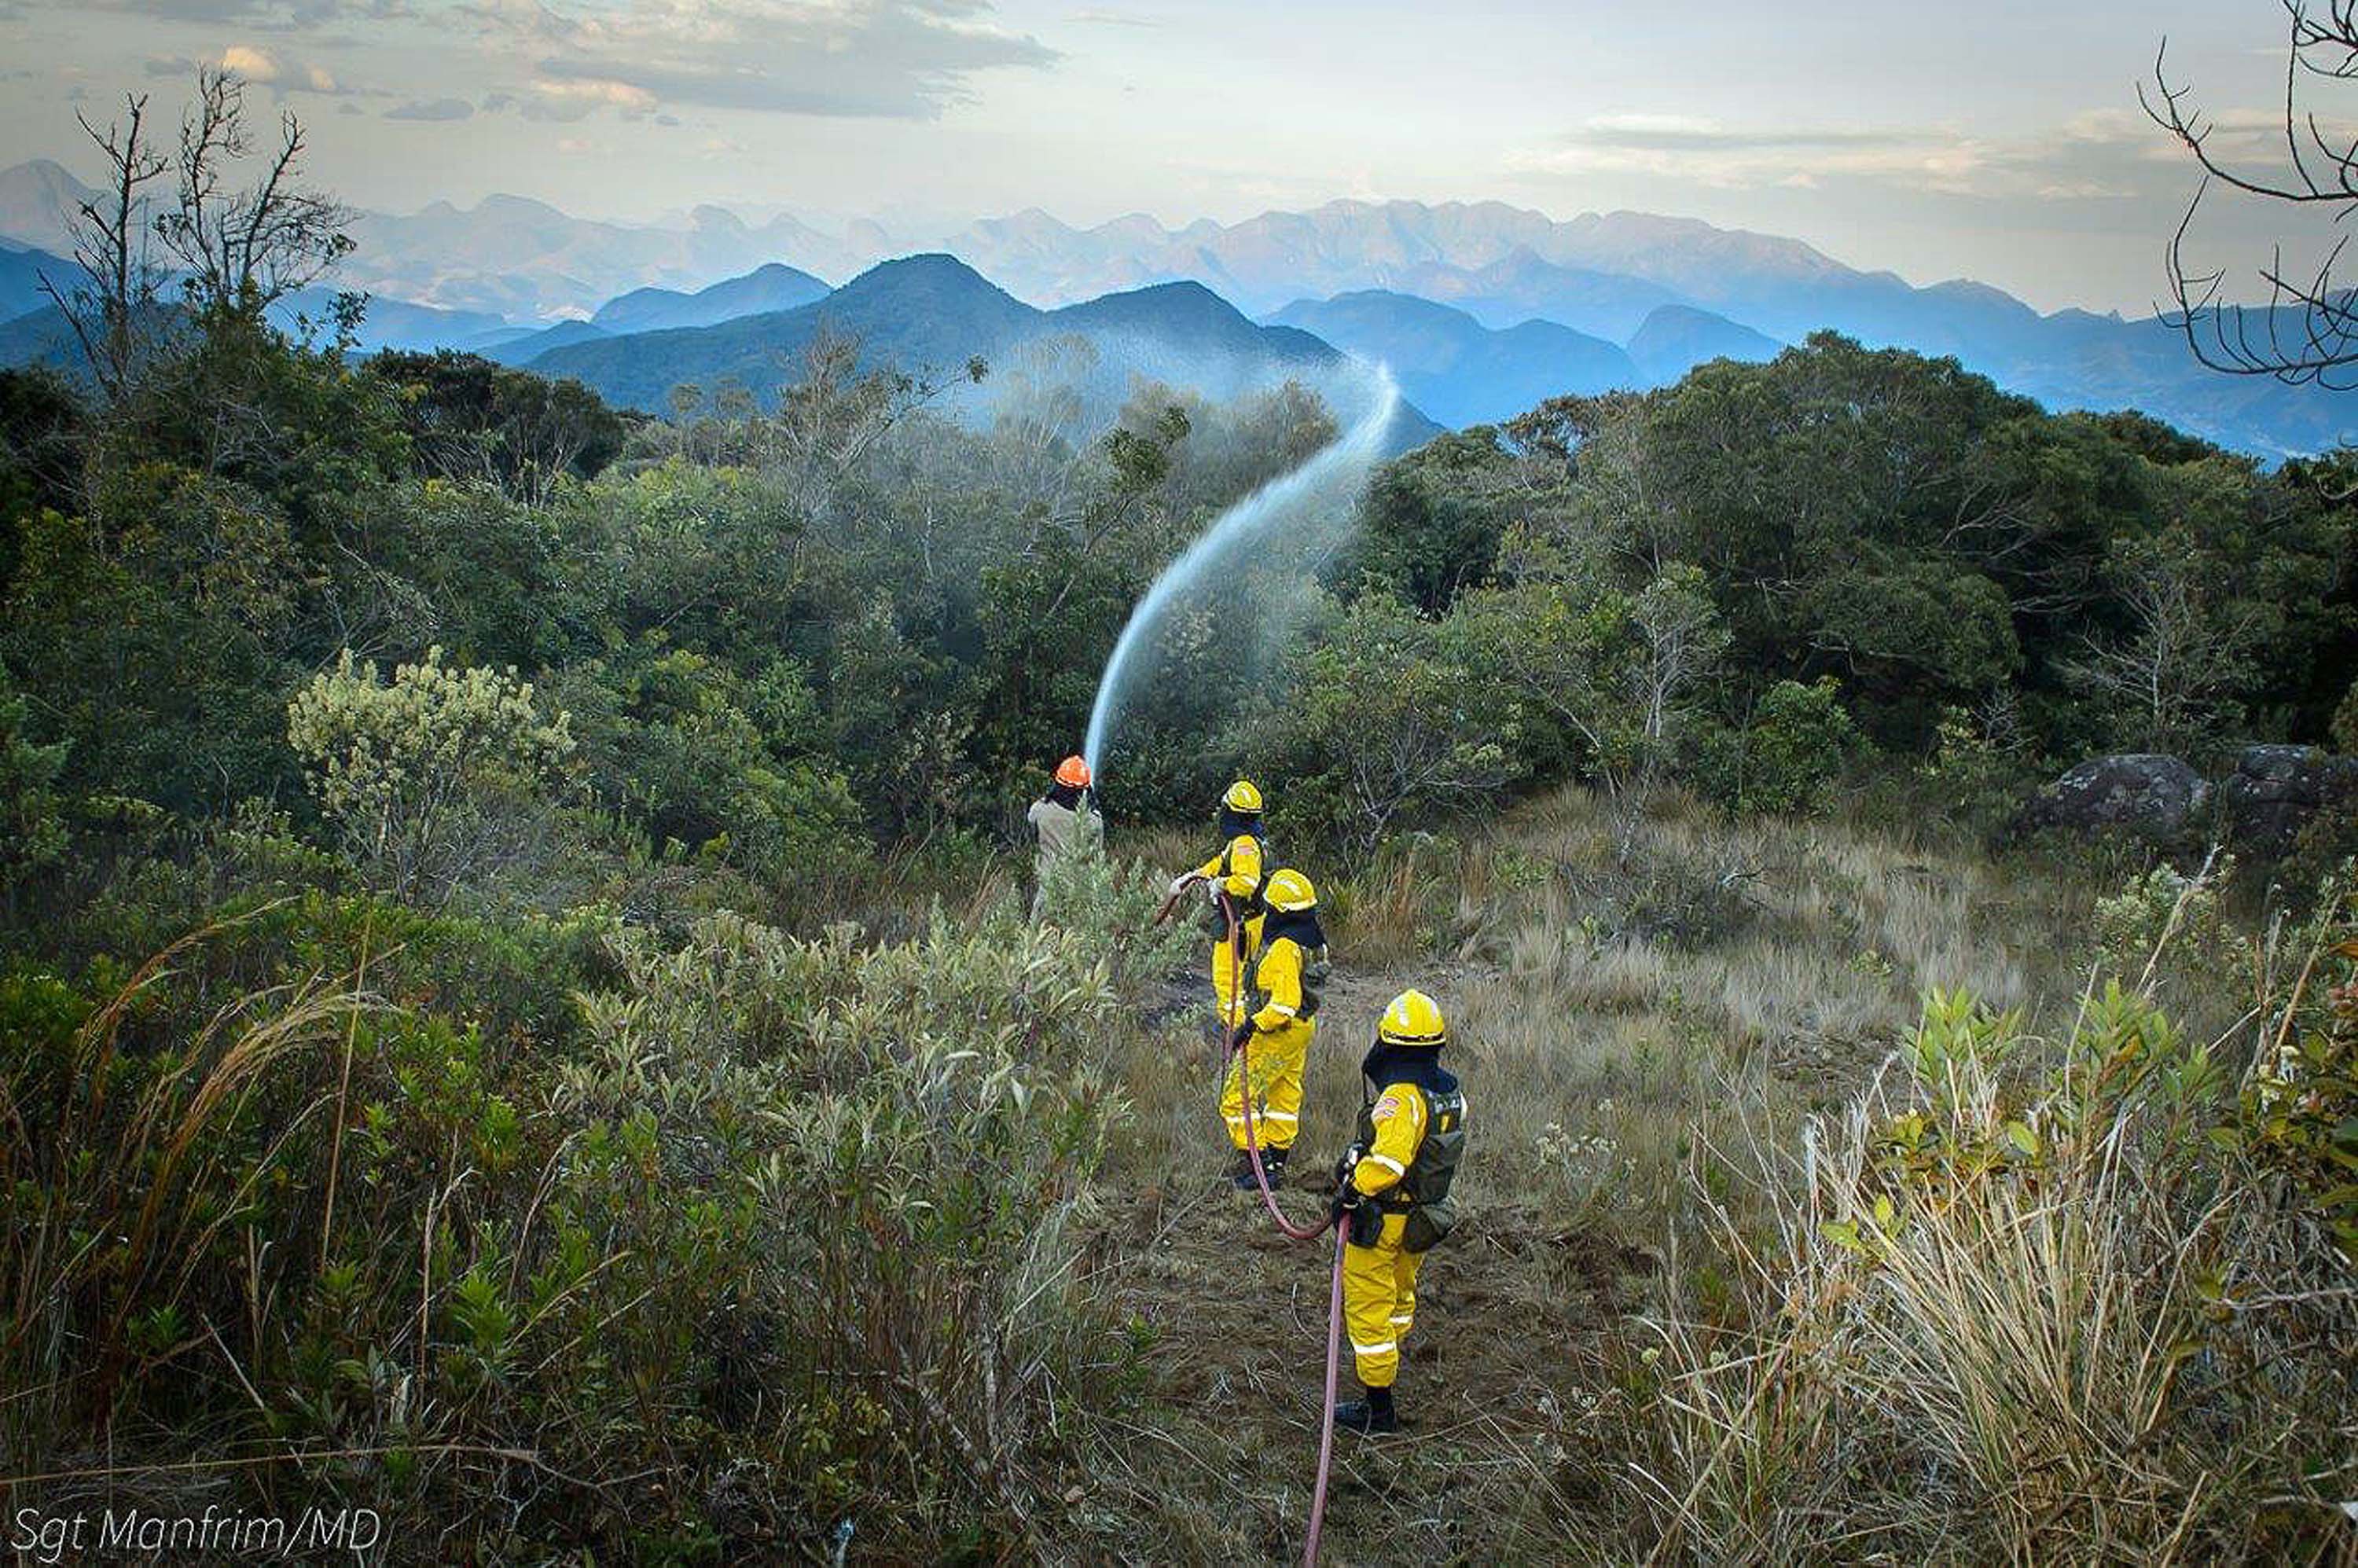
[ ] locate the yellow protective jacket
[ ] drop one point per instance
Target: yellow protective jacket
(1279, 980)
(1400, 1117)
(1236, 869)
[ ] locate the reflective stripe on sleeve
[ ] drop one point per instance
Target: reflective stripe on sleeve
(1387, 1161)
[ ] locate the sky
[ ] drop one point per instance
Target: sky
(2001, 142)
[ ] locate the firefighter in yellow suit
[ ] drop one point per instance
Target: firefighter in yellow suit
(1235, 871)
(1273, 1044)
(1392, 1189)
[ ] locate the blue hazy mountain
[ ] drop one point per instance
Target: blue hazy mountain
(929, 315)
(39, 337)
(1674, 338)
(518, 348)
(21, 271)
(773, 285)
(1455, 368)
(1604, 275)
(386, 323)
(1522, 286)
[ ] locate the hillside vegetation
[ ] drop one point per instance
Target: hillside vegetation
(518, 1007)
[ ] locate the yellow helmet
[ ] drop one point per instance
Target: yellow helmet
(1412, 1019)
(1242, 797)
(1288, 892)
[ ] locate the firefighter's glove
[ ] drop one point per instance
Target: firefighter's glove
(1352, 1207)
(1346, 1165)
(1239, 1034)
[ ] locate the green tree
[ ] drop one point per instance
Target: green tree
(731, 768)
(1381, 717)
(1432, 521)
(1796, 741)
(32, 819)
(470, 419)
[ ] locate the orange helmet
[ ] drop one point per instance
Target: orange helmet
(1073, 770)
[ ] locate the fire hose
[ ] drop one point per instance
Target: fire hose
(1233, 1019)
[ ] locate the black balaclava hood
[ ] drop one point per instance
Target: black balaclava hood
(1419, 1065)
(1300, 925)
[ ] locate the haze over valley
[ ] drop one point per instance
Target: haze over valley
(1480, 309)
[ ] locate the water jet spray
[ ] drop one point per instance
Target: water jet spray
(1329, 478)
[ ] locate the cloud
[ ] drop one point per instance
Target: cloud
(2098, 154)
(1684, 132)
(1114, 19)
(433, 109)
(889, 59)
(275, 14)
(269, 68)
(1705, 151)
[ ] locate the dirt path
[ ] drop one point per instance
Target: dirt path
(1501, 1372)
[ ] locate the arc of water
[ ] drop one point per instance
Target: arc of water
(1249, 520)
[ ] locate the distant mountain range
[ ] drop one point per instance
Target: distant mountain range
(20, 279)
(774, 287)
(929, 315)
(1455, 368)
(1530, 301)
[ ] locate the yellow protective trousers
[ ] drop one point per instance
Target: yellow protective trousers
(1276, 1061)
(1379, 1301)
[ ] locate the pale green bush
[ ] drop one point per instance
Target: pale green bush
(1109, 906)
(436, 777)
(911, 1129)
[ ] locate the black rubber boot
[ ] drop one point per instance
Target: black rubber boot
(1373, 1414)
(1272, 1162)
(1242, 1177)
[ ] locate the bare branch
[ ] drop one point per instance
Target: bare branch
(110, 311)
(2305, 331)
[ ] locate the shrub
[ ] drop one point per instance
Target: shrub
(2022, 1316)
(1381, 723)
(436, 777)
(1109, 906)
(32, 821)
(1799, 739)
(786, 1229)
(1978, 772)
(707, 761)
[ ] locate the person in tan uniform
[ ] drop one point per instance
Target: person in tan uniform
(1066, 821)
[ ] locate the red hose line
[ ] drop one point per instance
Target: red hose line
(1327, 1427)
(1297, 1233)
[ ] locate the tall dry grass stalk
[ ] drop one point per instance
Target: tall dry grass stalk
(2000, 1323)
(114, 1202)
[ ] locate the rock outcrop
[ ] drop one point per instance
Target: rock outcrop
(2275, 790)
(2140, 792)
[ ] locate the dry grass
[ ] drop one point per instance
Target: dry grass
(2100, 1344)
(1634, 1000)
